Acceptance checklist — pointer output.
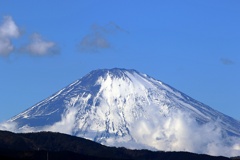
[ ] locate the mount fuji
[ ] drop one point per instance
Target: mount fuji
(125, 108)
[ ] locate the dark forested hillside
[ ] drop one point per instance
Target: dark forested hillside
(47, 145)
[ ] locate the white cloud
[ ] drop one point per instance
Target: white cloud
(8, 30)
(178, 132)
(39, 47)
(5, 46)
(67, 122)
(8, 126)
(66, 125)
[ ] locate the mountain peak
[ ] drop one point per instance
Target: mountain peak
(116, 72)
(121, 107)
(96, 77)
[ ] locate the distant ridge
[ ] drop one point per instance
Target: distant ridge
(34, 146)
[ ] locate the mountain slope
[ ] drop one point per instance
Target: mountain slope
(120, 107)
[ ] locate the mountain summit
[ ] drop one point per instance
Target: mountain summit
(120, 107)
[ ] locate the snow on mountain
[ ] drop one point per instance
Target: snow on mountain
(120, 107)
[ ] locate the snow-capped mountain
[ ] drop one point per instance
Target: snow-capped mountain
(120, 107)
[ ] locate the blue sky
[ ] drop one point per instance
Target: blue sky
(192, 45)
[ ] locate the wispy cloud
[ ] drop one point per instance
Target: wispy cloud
(94, 42)
(98, 38)
(227, 61)
(116, 27)
(40, 47)
(8, 30)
